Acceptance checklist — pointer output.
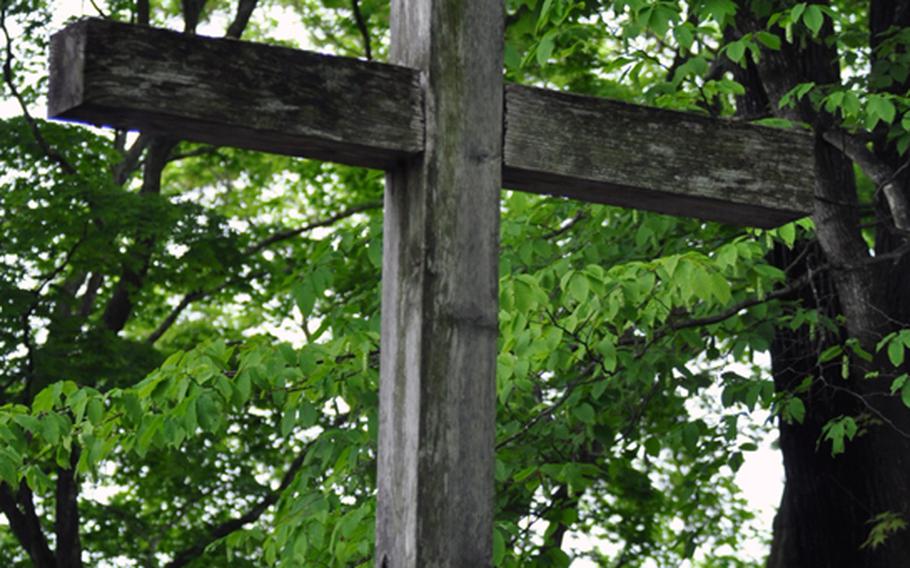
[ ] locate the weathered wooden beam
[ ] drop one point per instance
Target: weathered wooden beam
(370, 114)
(437, 390)
(235, 93)
(595, 149)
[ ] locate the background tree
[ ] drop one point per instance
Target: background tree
(189, 334)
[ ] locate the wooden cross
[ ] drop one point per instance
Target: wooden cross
(450, 135)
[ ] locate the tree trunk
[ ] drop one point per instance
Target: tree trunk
(829, 502)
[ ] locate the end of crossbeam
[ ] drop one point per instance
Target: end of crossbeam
(67, 63)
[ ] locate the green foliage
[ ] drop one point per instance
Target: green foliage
(884, 525)
(617, 328)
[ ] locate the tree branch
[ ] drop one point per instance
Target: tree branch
(142, 12)
(130, 162)
(291, 233)
(362, 27)
(202, 151)
(217, 532)
(51, 153)
(66, 522)
(880, 173)
(241, 18)
(91, 293)
(280, 236)
(192, 13)
(565, 227)
(25, 525)
(174, 314)
(120, 305)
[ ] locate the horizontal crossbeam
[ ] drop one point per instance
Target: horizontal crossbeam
(294, 102)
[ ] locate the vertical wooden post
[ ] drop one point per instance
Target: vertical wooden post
(439, 294)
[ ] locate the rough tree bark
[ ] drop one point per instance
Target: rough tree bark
(828, 503)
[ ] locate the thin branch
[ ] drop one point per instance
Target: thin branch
(195, 153)
(880, 173)
(291, 233)
(130, 162)
(362, 27)
(548, 411)
(174, 314)
(878, 414)
(241, 18)
(51, 153)
(220, 531)
(99, 10)
(280, 236)
(565, 228)
(142, 12)
(217, 532)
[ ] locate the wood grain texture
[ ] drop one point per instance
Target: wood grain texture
(371, 114)
(678, 163)
(439, 298)
(234, 93)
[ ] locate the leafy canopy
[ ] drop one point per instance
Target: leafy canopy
(233, 414)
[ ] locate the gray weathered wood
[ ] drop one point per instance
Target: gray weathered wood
(370, 114)
(234, 93)
(439, 298)
(678, 163)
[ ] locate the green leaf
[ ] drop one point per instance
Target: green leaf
(8, 471)
(690, 434)
(720, 9)
(684, 37)
(46, 399)
(896, 352)
(885, 525)
(499, 547)
(579, 287)
(814, 18)
(207, 412)
(905, 394)
(133, 407)
(879, 108)
(242, 388)
(787, 233)
(524, 295)
(524, 474)
(720, 288)
(796, 409)
(768, 39)
(652, 446)
(830, 353)
(607, 350)
(774, 122)
(288, 421)
(304, 296)
(28, 422)
(306, 414)
(51, 429)
(584, 412)
(545, 49)
(736, 50)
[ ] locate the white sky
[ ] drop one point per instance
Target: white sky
(761, 476)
